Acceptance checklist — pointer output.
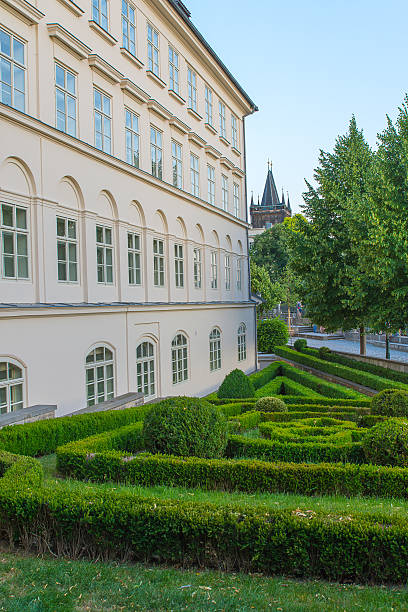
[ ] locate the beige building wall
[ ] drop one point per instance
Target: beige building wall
(48, 325)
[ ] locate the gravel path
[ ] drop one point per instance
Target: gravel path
(348, 346)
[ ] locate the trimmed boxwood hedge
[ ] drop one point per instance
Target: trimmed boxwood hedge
(282, 385)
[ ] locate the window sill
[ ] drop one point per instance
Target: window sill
(211, 128)
(104, 33)
(236, 151)
(225, 141)
(194, 114)
(131, 57)
(155, 78)
(177, 96)
(73, 7)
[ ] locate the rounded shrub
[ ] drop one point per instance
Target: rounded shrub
(185, 426)
(270, 404)
(387, 443)
(271, 333)
(300, 344)
(236, 385)
(390, 402)
(324, 351)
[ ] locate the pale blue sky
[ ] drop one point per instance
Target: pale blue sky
(308, 65)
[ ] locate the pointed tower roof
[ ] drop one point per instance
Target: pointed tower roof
(252, 198)
(270, 198)
(283, 198)
(288, 203)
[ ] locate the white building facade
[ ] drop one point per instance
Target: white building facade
(123, 221)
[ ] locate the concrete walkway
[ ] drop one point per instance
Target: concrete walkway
(348, 346)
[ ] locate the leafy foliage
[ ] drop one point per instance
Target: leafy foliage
(236, 384)
(270, 404)
(390, 402)
(387, 443)
(271, 333)
(300, 344)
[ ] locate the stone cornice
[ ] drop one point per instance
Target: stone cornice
(61, 35)
(134, 90)
(26, 10)
(74, 8)
(159, 109)
(180, 125)
(99, 64)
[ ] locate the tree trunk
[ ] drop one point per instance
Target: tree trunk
(289, 329)
(363, 343)
(387, 346)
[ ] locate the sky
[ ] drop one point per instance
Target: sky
(309, 65)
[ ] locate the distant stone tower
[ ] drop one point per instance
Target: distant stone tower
(271, 210)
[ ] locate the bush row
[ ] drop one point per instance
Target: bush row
(322, 430)
(364, 402)
(282, 385)
(119, 524)
(348, 373)
(315, 383)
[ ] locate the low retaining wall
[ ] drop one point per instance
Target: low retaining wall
(28, 415)
(390, 364)
(127, 400)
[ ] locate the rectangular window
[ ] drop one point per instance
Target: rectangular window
(224, 189)
(236, 199)
(223, 132)
(227, 262)
(153, 50)
(208, 106)
(100, 13)
(179, 265)
(239, 274)
(197, 268)
(156, 152)
(177, 164)
(158, 263)
(65, 100)
(12, 71)
(132, 138)
(104, 254)
(192, 89)
(103, 121)
(211, 184)
(134, 259)
(173, 70)
(195, 175)
(14, 241)
(129, 27)
(67, 250)
(214, 270)
(234, 132)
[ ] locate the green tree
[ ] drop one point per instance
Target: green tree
(262, 285)
(270, 250)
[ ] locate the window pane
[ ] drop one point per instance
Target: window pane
(5, 43)
(71, 229)
(7, 215)
(70, 82)
(18, 51)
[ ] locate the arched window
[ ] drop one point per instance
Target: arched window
(179, 358)
(145, 371)
(215, 349)
(100, 383)
(242, 342)
(11, 387)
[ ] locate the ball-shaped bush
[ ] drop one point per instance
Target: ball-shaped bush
(185, 426)
(236, 385)
(387, 443)
(300, 344)
(324, 352)
(271, 404)
(390, 402)
(271, 333)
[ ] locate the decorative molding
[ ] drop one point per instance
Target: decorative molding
(236, 151)
(131, 57)
(155, 78)
(133, 90)
(227, 163)
(176, 96)
(210, 150)
(238, 172)
(225, 141)
(194, 114)
(180, 125)
(196, 139)
(159, 109)
(26, 10)
(60, 34)
(104, 33)
(99, 64)
(70, 4)
(210, 127)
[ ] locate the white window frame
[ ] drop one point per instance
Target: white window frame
(105, 119)
(68, 95)
(159, 266)
(107, 364)
(132, 138)
(104, 255)
(68, 241)
(179, 358)
(227, 271)
(174, 63)
(146, 368)
(156, 152)
(222, 112)
(215, 349)
(195, 175)
(236, 199)
(214, 270)
(16, 67)
(153, 49)
(208, 105)
(239, 274)
(20, 235)
(234, 132)
(129, 27)
(12, 381)
(192, 88)
(134, 244)
(242, 348)
(211, 184)
(179, 265)
(100, 13)
(177, 164)
(224, 191)
(197, 268)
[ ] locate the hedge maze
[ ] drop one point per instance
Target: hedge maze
(108, 497)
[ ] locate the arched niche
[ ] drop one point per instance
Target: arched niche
(16, 176)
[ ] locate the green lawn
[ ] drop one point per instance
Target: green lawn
(32, 584)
